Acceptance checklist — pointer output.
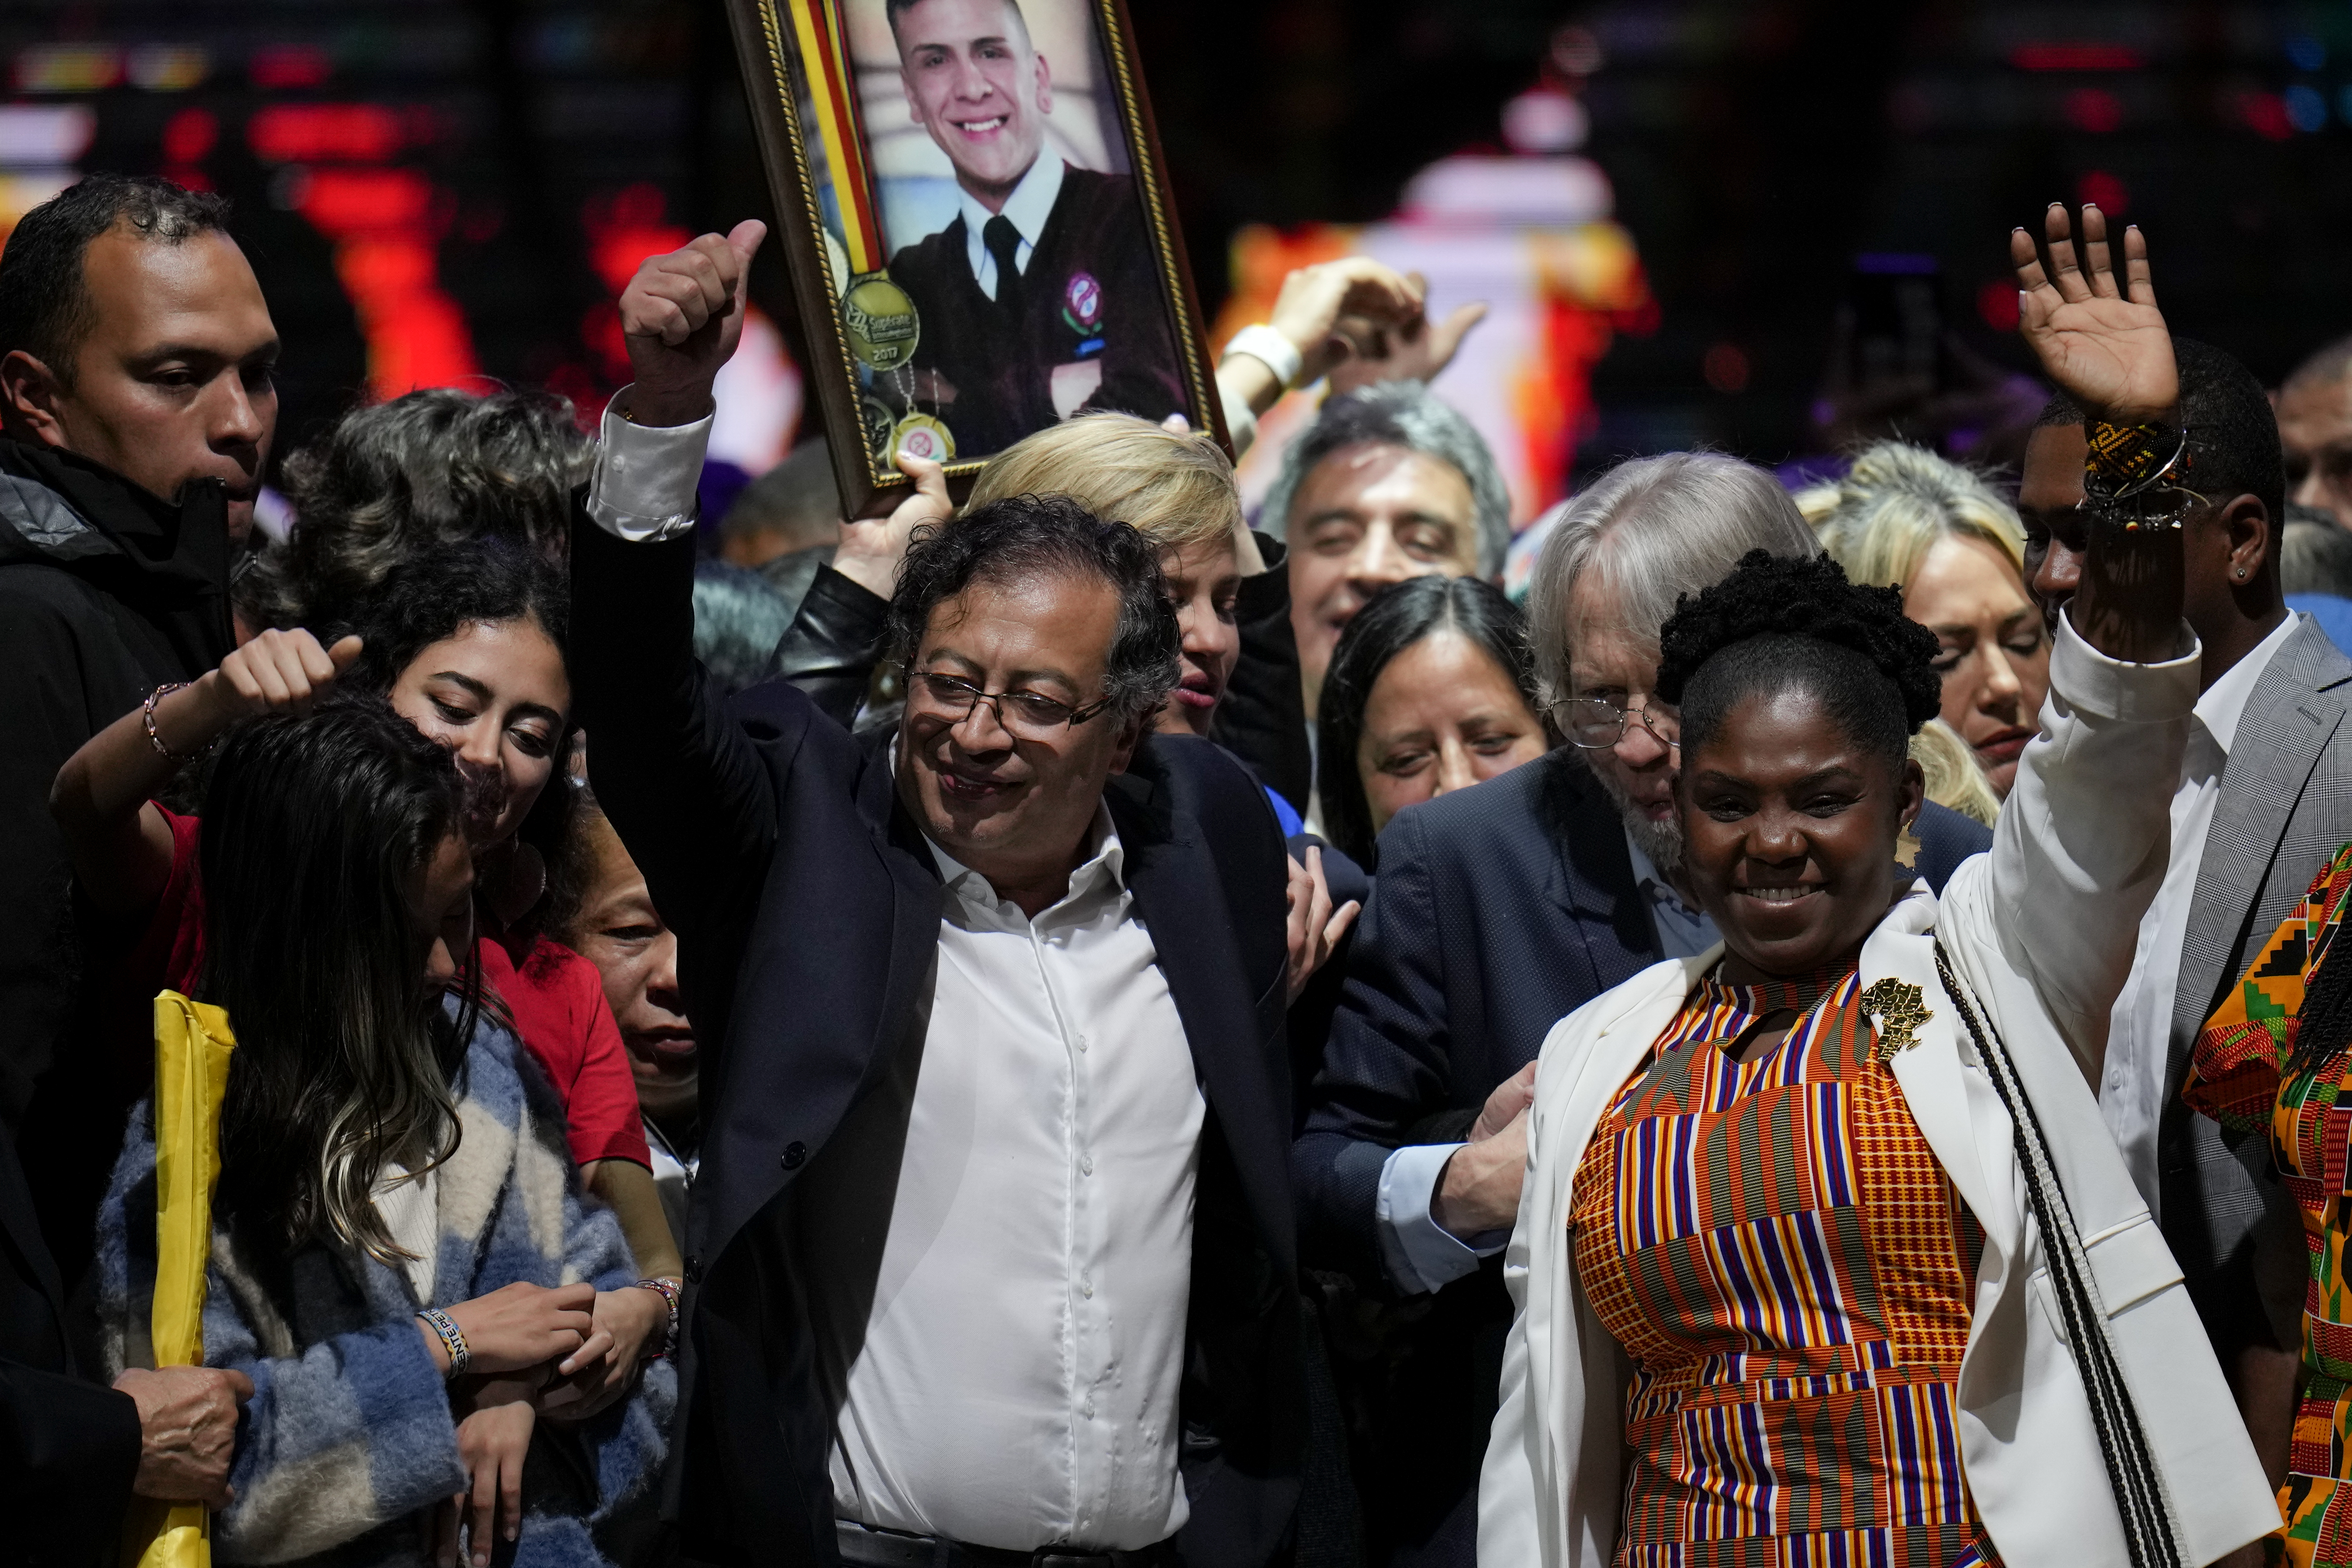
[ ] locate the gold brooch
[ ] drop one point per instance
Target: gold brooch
(1897, 1006)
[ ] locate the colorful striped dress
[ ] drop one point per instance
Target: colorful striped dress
(1791, 1274)
(2237, 1075)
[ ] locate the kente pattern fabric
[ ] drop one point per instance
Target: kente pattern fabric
(1791, 1274)
(2237, 1075)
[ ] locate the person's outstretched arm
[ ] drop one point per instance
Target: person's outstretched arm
(119, 842)
(685, 787)
(2084, 843)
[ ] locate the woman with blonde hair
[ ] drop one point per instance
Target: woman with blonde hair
(1905, 518)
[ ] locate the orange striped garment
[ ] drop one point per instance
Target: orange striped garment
(1791, 1274)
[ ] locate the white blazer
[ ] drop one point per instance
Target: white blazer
(2041, 933)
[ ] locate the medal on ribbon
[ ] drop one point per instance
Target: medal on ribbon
(880, 321)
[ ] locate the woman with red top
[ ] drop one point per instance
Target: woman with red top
(467, 647)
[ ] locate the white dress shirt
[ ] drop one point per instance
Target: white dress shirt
(1007, 1374)
(1028, 207)
(2133, 1082)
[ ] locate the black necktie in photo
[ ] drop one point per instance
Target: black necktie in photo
(1003, 240)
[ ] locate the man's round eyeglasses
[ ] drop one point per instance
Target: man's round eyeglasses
(1031, 715)
(1595, 724)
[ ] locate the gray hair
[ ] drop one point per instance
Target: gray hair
(1655, 528)
(1399, 414)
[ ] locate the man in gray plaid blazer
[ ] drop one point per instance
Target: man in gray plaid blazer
(2264, 799)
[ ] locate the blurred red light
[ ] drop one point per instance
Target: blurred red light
(2265, 114)
(1726, 368)
(2094, 109)
(1996, 305)
(343, 202)
(189, 135)
(2076, 57)
(2105, 192)
(277, 66)
(324, 133)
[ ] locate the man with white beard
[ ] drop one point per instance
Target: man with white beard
(1494, 912)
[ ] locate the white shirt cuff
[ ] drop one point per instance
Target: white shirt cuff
(643, 484)
(2090, 682)
(1419, 1254)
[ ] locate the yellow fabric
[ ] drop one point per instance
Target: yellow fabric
(192, 1046)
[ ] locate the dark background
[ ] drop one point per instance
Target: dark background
(1755, 148)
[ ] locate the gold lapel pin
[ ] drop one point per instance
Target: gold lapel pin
(1898, 1007)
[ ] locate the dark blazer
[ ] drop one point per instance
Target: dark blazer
(2284, 809)
(1494, 912)
(69, 1449)
(1091, 292)
(807, 908)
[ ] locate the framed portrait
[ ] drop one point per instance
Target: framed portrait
(977, 222)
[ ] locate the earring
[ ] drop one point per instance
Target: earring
(1907, 848)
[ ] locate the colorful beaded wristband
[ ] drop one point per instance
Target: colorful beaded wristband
(667, 1290)
(452, 1339)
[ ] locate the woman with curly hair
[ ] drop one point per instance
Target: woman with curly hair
(1825, 1254)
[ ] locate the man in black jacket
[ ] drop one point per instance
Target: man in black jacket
(1494, 912)
(992, 1245)
(136, 411)
(1042, 297)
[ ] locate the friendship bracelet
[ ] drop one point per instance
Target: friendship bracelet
(452, 1339)
(667, 1290)
(1271, 349)
(147, 717)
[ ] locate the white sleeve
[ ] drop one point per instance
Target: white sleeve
(1419, 1254)
(643, 489)
(2086, 835)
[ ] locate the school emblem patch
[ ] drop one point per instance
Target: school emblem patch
(1082, 303)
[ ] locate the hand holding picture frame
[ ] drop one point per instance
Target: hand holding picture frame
(974, 211)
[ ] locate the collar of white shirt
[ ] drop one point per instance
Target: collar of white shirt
(2225, 702)
(1102, 872)
(1028, 207)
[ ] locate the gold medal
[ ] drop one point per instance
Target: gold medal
(921, 436)
(880, 321)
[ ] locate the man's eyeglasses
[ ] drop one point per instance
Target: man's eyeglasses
(1029, 715)
(1595, 724)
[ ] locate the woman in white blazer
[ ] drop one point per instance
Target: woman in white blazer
(1825, 1254)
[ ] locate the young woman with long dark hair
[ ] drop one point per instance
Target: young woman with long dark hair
(400, 1262)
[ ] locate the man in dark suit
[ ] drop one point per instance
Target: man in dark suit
(991, 1248)
(1041, 298)
(1496, 911)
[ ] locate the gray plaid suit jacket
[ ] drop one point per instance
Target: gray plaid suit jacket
(2285, 807)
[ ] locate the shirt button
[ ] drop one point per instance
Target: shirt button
(795, 1154)
(1086, 1163)
(1086, 1288)
(1081, 1042)
(1087, 1409)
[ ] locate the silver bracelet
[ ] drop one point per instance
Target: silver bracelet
(452, 1340)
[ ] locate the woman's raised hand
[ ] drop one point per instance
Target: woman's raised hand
(276, 672)
(519, 1326)
(2105, 345)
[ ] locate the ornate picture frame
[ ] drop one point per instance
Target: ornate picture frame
(896, 208)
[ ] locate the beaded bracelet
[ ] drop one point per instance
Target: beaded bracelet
(452, 1339)
(147, 717)
(667, 1290)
